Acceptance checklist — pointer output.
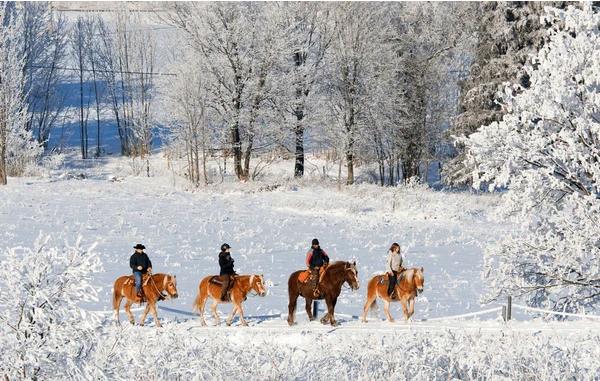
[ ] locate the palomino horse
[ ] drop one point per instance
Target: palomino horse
(407, 289)
(330, 288)
(242, 285)
(153, 287)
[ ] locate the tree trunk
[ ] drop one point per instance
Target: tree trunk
(299, 163)
(3, 173)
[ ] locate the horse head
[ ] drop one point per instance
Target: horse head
(257, 284)
(419, 280)
(351, 275)
(170, 285)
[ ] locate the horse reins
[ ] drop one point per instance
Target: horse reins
(160, 294)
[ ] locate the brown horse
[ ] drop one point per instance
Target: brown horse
(407, 289)
(153, 286)
(330, 288)
(242, 285)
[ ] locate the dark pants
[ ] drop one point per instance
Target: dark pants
(226, 279)
(138, 281)
(393, 279)
(314, 278)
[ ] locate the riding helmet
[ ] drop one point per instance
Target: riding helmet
(315, 242)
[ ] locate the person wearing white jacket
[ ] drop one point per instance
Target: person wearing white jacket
(394, 267)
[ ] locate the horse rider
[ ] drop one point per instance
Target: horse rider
(316, 258)
(227, 271)
(393, 267)
(140, 264)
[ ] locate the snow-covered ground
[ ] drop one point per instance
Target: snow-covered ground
(270, 231)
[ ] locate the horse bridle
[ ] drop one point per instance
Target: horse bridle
(160, 294)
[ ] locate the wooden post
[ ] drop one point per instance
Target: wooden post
(315, 308)
(504, 313)
(509, 308)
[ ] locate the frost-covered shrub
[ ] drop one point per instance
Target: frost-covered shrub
(44, 334)
(182, 352)
(546, 152)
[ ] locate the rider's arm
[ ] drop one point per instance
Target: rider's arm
(132, 263)
(389, 263)
(308, 257)
(325, 257)
(149, 263)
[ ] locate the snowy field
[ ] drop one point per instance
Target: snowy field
(270, 230)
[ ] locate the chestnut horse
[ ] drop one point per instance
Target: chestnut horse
(242, 285)
(330, 288)
(153, 286)
(410, 285)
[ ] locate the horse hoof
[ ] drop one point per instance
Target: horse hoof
(245, 324)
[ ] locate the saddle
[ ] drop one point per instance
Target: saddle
(216, 279)
(131, 280)
(304, 276)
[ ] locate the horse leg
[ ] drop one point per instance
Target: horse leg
(201, 304)
(128, 311)
(367, 307)
(331, 317)
(241, 312)
(309, 311)
(386, 309)
(155, 314)
(405, 310)
(234, 310)
(144, 314)
(292, 308)
(411, 308)
(213, 308)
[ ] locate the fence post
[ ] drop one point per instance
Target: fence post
(509, 308)
(504, 313)
(315, 309)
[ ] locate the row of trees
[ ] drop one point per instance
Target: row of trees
(374, 82)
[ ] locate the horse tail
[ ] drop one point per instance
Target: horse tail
(116, 296)
(198, 300)
(196, 305)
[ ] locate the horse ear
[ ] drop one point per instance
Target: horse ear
(354, 263)
(421, 269)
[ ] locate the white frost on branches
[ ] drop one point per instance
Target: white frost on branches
(546, 151)
(44, 334)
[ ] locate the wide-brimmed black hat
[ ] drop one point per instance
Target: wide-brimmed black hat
(139, 246)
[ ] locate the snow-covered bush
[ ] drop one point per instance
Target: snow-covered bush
(546, 152)
(43, 332)
(182, 352)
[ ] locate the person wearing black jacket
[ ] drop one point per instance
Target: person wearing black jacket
(140, 264)
(316, 258)
(227, 271)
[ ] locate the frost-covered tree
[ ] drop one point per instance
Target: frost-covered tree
(354, 61)
(44, 333)
(309, 32)
(240, 46)
(546, 151)
(190, 133)
(17, 147)
(508, 34)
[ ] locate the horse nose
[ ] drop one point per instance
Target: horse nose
(419, 291)
(176, 296)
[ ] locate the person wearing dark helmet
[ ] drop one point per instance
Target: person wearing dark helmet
(140, 264)
(227, 271)
(316, 258)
